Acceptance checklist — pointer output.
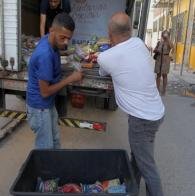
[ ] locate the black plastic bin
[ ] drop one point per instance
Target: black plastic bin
(73, 166)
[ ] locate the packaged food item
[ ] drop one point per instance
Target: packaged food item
(117, 189)
(102, 41)
(94, 39)
(80, 52)
(71, 49)
(91, 58)
(48, 186)
(109, 183)
(104, 47)
(77, 66)
(93, 188)
(29, 43)
(88, 65)
(70, 188)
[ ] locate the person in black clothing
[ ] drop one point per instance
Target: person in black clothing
(49, 9)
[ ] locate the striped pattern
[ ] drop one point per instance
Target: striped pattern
(68, 122)
(13, 115)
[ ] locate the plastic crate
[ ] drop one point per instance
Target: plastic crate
(73, 166)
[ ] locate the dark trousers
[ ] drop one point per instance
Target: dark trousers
(141, 138)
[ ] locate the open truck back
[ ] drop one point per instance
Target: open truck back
(20, 20)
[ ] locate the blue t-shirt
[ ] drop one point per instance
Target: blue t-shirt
(44, 65)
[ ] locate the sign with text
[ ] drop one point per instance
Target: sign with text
(92, 16)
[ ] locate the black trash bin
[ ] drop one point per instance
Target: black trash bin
(73, 166)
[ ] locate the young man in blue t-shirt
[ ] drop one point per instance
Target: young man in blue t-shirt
(45, 82)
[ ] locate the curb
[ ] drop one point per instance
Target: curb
(190, 87)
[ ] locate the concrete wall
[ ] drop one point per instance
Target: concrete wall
(192, 52)
(184, 7)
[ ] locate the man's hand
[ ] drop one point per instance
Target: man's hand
(47, 89)
(76, 76)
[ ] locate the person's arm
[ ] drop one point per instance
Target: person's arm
(102, 69)
(43, 16)
(171, 54)
(170, 44)
(66, 7)
(45, 76)
(102, 72)
(42, 24)
(156, 48)
(47, 89)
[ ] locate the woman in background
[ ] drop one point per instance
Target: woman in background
(163, 59)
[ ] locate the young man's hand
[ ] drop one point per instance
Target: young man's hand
(76, 76)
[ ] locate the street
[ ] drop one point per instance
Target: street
(174, 150)
(81, 48)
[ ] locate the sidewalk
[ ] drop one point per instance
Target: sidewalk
(188, 75)
(187, 78)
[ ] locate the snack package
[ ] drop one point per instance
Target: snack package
(117, 189)
(104, 47)
(48, 186)
(70, 188)
(109, 183)
(93, 188)
(80, 52)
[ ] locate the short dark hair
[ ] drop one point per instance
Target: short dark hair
(64, 20)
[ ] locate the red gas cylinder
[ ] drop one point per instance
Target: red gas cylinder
(77, 101)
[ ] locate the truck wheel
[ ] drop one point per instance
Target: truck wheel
(112, 104)
(99, 103)
(106, 103)
(61, 105)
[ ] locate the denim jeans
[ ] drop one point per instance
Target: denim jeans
(141, 138)
(44, 123)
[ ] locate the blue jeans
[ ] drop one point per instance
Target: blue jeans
(44, 123)
(141, 138)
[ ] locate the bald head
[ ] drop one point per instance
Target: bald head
(120, 24)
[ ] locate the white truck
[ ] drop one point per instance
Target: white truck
(21, 17)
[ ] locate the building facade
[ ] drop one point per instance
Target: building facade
(178, 16)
